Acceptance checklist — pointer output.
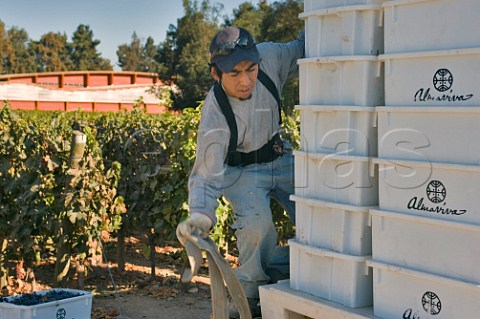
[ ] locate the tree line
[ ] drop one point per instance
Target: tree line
(181, 57)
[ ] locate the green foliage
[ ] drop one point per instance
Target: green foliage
(52, 53)
(194, 32)
(134, 171)
(182, 56)
(278, 24)
(149, 64)
(41, 198)
(129, 55)
(135, 167)
(156, 153)
(83, 51)
(19, 57)
(250, 17)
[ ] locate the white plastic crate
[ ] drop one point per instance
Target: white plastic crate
(310, 5)
(433, 78)
(71, 308)
(341, 80)
(438, 134)
(337, 277)
(423, 25)
(441, 247)
(433, 190)
(338, 129)
(337, 227)
(347, 30)
(336, 178)
(404, 293)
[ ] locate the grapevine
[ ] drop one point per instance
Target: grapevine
(133, 176)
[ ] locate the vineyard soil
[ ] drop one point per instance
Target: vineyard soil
(132, 294)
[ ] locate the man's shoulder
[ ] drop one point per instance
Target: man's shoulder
(266, 48)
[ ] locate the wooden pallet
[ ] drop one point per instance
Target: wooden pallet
(279, 301)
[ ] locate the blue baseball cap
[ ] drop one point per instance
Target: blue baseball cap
(231, 46)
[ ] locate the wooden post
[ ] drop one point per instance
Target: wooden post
(62, 264)
(79, 141)
(3, 268)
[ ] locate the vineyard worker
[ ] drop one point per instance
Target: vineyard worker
(259, 167)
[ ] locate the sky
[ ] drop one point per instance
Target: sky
(111, 21)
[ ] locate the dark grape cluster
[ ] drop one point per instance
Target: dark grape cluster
(34, 298)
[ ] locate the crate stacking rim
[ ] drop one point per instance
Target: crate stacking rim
(311, 5)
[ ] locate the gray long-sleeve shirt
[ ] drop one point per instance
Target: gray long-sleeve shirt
(257, 121)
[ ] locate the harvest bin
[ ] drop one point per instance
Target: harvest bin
(400, 292)
(341, 80)
(420, 25)
(425, 244)
(79, 307)
(345, 30)
(434, 190)
(432, 78)
(337, 227)
(332, 129)
(341, 278)
(336, 178)
(438, 134)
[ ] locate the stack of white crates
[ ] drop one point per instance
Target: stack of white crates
(426, 232)
(341, 83)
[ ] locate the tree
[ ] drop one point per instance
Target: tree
(15, 56)
(51, 53)
(138, 57)
(19, 57)
(166, 55)
(194, 32)
(3, 47)
(279, 26)
(148, 62)
(249, 17)
(83, 51)
(281, 22)
(129, 56)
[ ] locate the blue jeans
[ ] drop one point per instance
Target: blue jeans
(249, 189)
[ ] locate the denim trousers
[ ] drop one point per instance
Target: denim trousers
(249, 190)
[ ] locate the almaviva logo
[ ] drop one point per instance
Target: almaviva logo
(436, 193)
(431, 304)
(442, 82)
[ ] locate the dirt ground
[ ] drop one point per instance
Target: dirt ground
(133, 294)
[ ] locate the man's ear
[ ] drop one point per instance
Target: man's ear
(215, 75)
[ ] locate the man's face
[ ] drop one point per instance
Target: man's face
(241, 81)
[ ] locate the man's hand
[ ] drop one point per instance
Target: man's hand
(197, 224)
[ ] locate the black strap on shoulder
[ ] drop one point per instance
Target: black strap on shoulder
(265, 79)
(227, 111)
(235, 158)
